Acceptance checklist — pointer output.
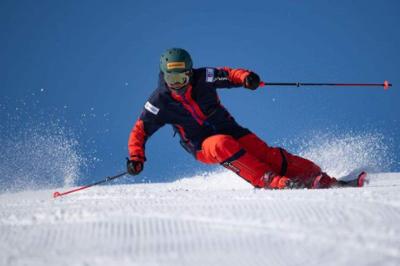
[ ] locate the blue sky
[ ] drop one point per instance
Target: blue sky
(92, 65)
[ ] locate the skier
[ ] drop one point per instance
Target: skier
(187, 99)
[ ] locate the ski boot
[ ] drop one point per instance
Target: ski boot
(274, 181)
(323, 181)
(360, 181)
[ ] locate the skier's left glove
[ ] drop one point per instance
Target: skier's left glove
(252, 81)
(134, 167)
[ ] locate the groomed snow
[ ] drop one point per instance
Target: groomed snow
(215, 219)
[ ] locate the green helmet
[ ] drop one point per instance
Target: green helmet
(175, 60)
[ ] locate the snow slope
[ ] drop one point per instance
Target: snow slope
(215, 219)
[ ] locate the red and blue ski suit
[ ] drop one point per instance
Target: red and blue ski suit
(210, 133)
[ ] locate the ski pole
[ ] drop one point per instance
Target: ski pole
(385, 84)
(109, 178)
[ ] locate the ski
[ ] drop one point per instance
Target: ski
(360, 181)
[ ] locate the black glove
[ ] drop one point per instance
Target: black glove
(134, 167)
(252, 81)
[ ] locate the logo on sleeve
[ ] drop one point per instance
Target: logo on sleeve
(210, 75)
(151, 108)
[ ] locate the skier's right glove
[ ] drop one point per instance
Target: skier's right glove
(134, 167)
(252, 81)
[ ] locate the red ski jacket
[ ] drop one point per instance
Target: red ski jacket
(194, 114)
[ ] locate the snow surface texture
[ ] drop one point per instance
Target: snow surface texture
(213, 219)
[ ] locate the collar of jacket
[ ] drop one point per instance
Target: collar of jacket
(180, 92)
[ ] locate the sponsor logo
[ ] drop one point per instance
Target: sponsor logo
(175, 65)
(151, 108)
(230, 166)
(221, 78)
(210, 75)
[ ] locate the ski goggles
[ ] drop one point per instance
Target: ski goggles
(176, 80)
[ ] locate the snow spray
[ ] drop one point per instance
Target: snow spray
(36, 150)
(38, 158)
(341, 154)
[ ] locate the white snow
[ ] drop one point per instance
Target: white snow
(215, 219)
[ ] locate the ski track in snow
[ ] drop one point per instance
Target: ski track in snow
(212, 220)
